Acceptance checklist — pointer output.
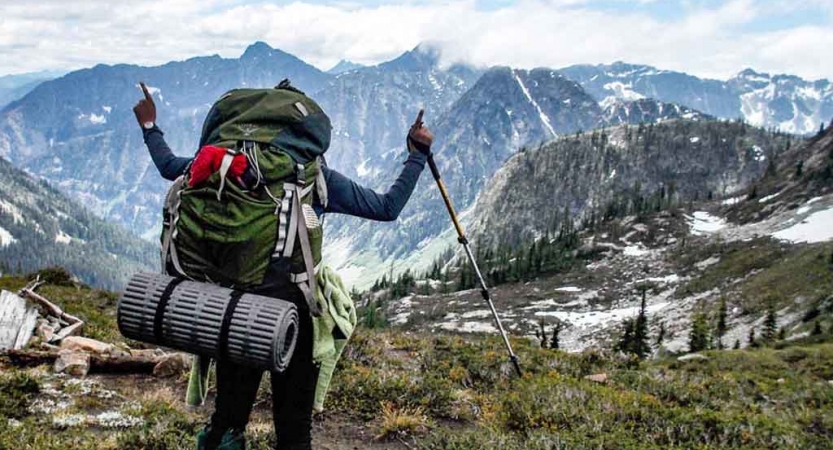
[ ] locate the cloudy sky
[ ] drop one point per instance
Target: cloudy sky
(712, 38)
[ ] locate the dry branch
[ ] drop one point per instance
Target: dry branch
(140, 364)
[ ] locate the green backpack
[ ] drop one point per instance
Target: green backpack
(221, 233)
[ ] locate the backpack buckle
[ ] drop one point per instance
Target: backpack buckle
(300, 175)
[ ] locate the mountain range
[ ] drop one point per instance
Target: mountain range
(786, 102)
(78, 131)
(13, 87)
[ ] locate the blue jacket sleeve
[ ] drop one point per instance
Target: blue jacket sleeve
(345, 196)
(169, 165)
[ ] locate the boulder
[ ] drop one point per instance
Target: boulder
(172, 364)
(72, 362)
(598, 378)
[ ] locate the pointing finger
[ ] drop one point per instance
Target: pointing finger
(145, 90)
(418, 121)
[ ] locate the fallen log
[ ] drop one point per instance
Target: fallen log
(126, 364)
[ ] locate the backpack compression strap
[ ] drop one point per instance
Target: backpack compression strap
(290, 211)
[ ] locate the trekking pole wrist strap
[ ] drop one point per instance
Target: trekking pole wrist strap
(413, 144)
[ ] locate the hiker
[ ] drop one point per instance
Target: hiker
(292, 390)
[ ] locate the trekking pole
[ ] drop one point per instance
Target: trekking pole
(461, 238)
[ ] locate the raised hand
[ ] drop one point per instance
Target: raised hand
(420, 138)
(145, 110)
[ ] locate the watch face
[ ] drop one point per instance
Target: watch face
(148, 125)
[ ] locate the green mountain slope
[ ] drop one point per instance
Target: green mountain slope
(40, 227)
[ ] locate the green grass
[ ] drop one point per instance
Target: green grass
(737, 399)
(761, 272)
(455, 393)
(447, 392)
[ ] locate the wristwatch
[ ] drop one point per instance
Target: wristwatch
(148, 125)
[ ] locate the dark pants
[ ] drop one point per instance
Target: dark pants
(293, 391)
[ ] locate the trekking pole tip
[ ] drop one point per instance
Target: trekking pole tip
(517, 364)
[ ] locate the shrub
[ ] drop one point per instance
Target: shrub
(400, 422)
(16, 391)
(56, 276)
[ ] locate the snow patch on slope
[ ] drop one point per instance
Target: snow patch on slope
(62, 238)
(623, 91)
(815, 228)
(6, 238)
(704, 223)
(594, 318)
(544, 118)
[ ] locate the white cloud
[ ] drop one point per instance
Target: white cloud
(708, 42)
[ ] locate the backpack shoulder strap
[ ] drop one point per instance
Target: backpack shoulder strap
(321, 182)
(171, 217)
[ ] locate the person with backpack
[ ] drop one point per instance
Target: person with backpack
(246, 213)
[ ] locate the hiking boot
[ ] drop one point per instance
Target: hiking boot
(230, 440)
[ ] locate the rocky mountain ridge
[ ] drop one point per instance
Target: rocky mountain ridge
(786, 102)
(689, 159)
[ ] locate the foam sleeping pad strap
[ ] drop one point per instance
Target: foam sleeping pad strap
(224, 329)
(160, 308)
(208, 320)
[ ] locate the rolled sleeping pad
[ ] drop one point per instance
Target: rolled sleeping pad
(209, 320)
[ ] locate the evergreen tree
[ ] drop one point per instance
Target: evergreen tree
(444, 282)
(816, 328)
(641, 346)
(799, 169)
(782, 333)
(425, 288)
(821, 129)
(737, 344)
(541, 333)
(753, 193)
(750, 341)
(698, 338)
(770, 325)
(625, 343)
(721, 328)
(661, 334)
(555, 343)
(771, 167)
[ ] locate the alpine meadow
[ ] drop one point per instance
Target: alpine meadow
(523, 224)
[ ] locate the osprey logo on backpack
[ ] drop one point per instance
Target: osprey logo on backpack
(248, 129)
(230, 233)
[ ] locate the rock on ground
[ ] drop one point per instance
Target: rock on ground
(72, 362)
(172, 364)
